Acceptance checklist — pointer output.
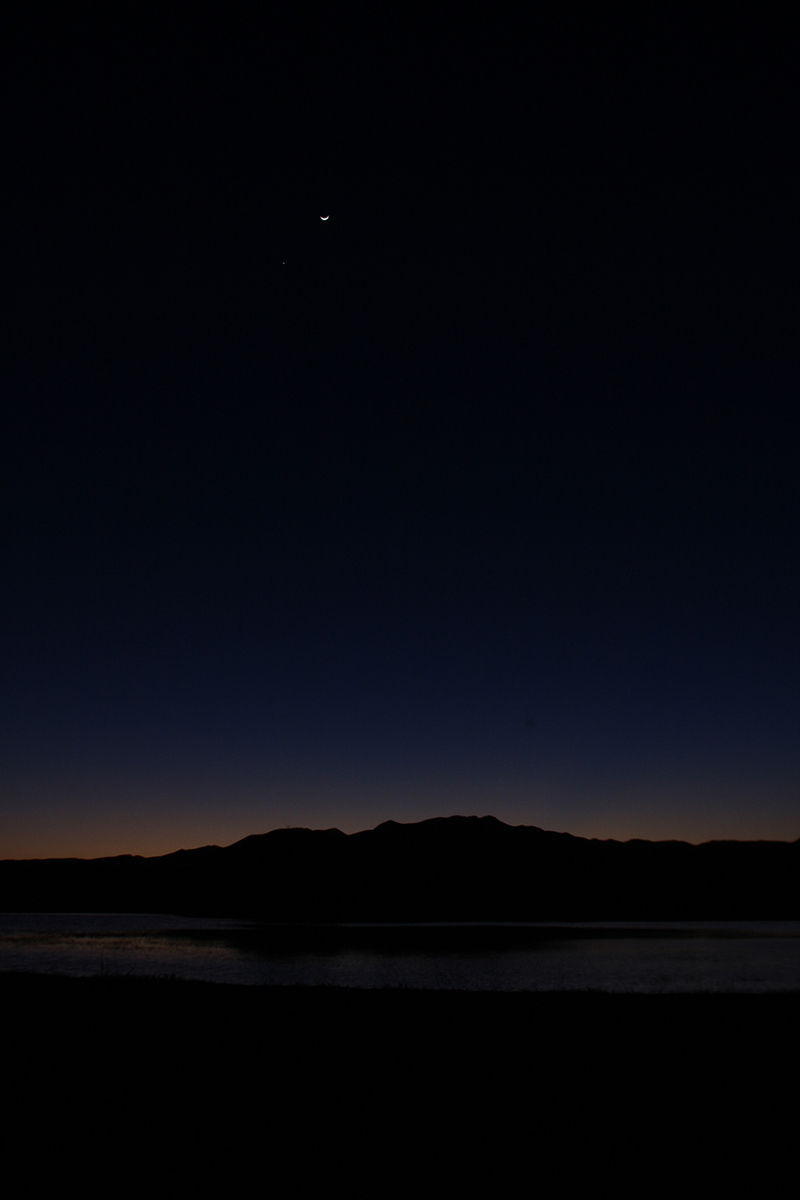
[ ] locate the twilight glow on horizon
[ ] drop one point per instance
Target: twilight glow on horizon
(490, 506)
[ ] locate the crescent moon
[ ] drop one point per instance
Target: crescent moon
(326, 218)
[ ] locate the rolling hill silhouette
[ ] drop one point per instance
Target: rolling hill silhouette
(444, 869)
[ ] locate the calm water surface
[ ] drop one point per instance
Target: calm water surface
(757, 956)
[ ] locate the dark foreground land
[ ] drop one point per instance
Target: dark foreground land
(378, 1087)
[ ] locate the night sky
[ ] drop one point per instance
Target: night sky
(479, 497)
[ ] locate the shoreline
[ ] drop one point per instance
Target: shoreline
(51, 980)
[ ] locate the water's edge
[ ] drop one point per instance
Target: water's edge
(637, 957)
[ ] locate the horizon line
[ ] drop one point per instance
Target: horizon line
(391, 821)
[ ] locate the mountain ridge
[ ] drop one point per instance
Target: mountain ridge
(390, 826)
(442, 868)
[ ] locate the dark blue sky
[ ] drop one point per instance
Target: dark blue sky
(479, 497)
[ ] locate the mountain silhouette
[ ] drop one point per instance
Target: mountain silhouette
(459, 868)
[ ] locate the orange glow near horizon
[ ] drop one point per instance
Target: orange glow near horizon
(47, 827)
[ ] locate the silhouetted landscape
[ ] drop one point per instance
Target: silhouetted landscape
(397, 421)
(332, 1062)
(444, 869)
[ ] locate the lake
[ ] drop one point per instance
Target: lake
(648, 957)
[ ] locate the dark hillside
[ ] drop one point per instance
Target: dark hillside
(444, 869)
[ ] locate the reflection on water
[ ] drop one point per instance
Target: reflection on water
(615, 957)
